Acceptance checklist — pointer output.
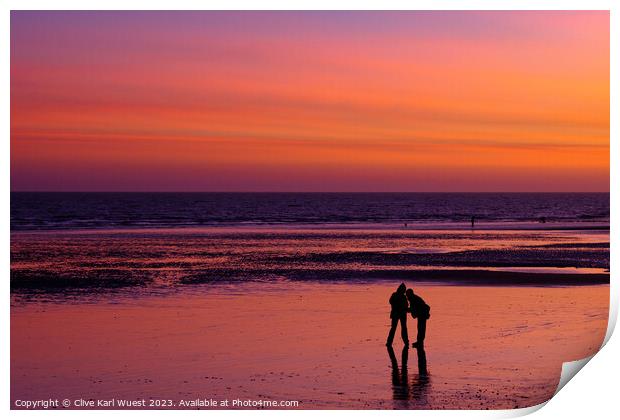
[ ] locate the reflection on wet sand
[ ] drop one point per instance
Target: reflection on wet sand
(302, 345)
(409, 394)
(400, 377)
(420, 382)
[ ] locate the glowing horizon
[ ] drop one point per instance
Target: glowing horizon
(310, 101)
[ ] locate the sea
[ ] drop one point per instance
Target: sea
(53, 211)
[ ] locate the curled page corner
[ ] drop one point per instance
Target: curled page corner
(520, 412)
(570, 369)
(613, 312)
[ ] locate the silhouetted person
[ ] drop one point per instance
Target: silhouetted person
(420, 310)
(398, 302)
(473, 221)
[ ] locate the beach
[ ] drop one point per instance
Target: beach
(290, 310)
(316, 343)
(160, 258)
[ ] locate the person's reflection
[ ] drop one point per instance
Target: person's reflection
(403, 392)
(420, 382)
(400, 377)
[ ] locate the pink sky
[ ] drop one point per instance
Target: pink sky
(319, 101)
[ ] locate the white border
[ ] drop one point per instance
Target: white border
(594, 393)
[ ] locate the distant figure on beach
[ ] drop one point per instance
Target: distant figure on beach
(543, 219)
(398, 302)
(473, 221)
(420, 310)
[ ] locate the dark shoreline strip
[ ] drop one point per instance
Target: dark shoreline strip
(50, 282)
(454, 277)
(510, 278)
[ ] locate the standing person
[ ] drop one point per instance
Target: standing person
(473, 221)
(420, 310)
(398, 302)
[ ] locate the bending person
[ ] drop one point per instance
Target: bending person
(420, 310)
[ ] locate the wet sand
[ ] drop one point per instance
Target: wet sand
(321, 344)
(57, 261)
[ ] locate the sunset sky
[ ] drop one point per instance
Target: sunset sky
(310, 101)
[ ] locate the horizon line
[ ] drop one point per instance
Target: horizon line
(307, 192)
